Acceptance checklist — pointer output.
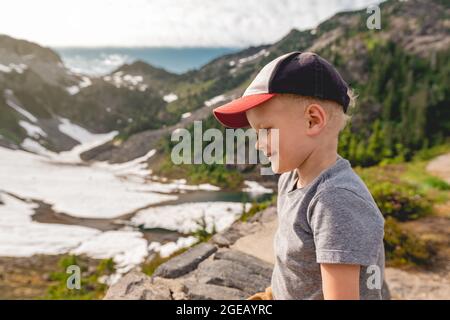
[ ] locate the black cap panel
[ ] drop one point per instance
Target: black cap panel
(308, 74)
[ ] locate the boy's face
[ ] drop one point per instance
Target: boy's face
(295, 141)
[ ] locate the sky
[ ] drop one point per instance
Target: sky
(164, 23)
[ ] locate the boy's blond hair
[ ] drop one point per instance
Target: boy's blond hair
(336, 113)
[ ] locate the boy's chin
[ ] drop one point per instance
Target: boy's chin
(279, 168)
(276, 168)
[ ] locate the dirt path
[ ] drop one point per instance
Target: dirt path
(440, 166)
(260, 243)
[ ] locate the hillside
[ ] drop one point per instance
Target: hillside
(400, 74)
(40, 97)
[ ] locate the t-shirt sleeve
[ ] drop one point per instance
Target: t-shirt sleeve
(347, 229)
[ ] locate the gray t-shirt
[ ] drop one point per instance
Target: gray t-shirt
(333, 219)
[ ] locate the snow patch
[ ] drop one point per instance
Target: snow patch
(186, 115)
(127, 248)
(135, 167)
(32, 130)
(19, 68)
(84, 83)
(132, 82)
(186, 217)
(215, 100)
(254, 187)
(167, 249)
(77, 190)
(170, 97)
(35, 147)
(76, 132)
(263, 52)
(21, 110)
(22, 237)
(73, 155)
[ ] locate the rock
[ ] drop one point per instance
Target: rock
(226, 238)
(254, 264)
(137, 286)
(228, 274)
(235, 270)
(185, 262)
(202, 291)
(177, 288)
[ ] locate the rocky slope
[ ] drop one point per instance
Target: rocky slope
(212, 270)
(233, 265)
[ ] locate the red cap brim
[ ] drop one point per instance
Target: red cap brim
(232, 115)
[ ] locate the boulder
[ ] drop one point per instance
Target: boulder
(185, 262)
(137, 286)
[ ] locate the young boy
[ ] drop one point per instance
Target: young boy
(329, 241)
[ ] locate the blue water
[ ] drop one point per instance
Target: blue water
(100, 61)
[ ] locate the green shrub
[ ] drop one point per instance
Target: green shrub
(203, 233)
(401, 201)
(403, 248)
(256, 207)
(91, 288)
(430, 153)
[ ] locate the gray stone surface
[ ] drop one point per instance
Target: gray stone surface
(253, 264)
(202, 291)
(227, 275)
(185, 262)
(233, 275)
(204, 272)
(137, 286)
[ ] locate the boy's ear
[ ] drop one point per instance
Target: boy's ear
(316, 118)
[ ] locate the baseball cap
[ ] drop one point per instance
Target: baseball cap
(301, 73)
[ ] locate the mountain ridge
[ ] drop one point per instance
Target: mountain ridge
(137, 98)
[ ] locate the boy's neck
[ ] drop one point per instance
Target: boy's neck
(318, 160)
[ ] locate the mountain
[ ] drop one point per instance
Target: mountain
(400, 73)
(42, 103)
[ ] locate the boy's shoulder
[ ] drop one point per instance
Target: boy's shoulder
(340, 179)
(284, 180)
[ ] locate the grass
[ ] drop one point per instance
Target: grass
(257, 207)
(203, 234)
(90, 274)
(150, 267)
(433, 152)
(415, 173)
